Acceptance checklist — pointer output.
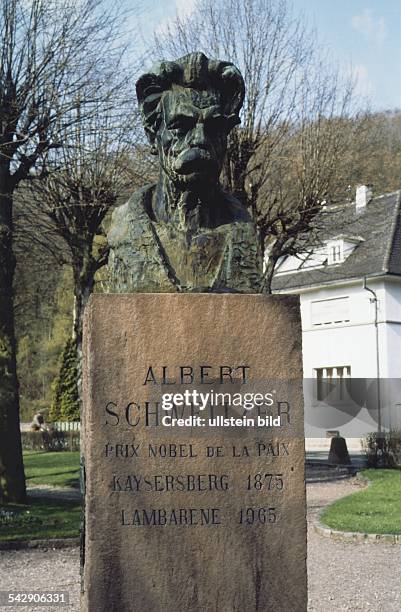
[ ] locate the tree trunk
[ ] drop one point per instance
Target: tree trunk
(84, 272)
(269, 272)
(12, 477)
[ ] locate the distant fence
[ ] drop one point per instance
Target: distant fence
(67, 425)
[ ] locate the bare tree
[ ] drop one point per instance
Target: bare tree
(83, 180)
(307, 169)
(49, 51)
(271, 48)
(283, 159)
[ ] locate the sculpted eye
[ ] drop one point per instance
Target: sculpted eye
(181, 123)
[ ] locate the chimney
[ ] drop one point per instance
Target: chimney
(363, 196)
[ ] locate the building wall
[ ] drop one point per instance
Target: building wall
(345, 343)
(391, 356)
(339, 331)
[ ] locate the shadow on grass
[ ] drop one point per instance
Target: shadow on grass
(54, 469)
(73, 483)
(49, 479)
(41, 518)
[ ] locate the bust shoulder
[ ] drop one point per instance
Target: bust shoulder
(137, 207)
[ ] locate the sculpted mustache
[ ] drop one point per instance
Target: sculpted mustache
(192, 157)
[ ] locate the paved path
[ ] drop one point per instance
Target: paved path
(342, 575)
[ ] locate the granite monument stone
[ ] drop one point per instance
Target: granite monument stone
(205, 513)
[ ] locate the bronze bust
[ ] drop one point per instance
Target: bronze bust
(184, 233)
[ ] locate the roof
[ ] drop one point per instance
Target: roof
(378, 247)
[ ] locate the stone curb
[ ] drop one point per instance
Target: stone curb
(356, 536)
(327, 478)
(40, 544)
(362, 480)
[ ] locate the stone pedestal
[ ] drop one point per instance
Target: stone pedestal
(203, 510)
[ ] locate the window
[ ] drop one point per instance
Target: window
(339, 248)
(332, 383)
(329, 312)
(336, 252)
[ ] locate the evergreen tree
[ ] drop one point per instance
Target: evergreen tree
(65, 405)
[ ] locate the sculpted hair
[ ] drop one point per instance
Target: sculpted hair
(194, 71)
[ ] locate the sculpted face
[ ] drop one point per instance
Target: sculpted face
(192, 137)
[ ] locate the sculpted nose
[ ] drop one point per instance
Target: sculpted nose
(198, 137)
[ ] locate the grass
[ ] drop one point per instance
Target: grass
(376, 509)
(42, 518)
(56, 469)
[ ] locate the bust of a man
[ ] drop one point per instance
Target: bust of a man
(184, 233)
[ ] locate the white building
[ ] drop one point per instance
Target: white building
(350, 293)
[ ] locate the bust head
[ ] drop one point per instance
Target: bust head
(188, 108)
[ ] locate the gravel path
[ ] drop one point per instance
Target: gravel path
(342, 575)
(46, 570)
(349, 575)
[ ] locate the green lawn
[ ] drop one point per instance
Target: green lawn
(57, 469)
(42, 518)
(376, 509)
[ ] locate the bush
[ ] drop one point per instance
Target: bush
(50, 440)
(383, 450)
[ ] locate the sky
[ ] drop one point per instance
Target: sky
(363, 36)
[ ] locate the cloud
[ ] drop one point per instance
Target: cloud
(185, 7)
(371, 26)
(181, 8)
(364, 87)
